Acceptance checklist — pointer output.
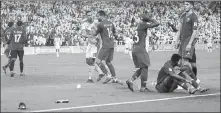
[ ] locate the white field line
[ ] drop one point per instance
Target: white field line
(123, 103)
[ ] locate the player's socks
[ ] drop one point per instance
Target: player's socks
(187, 87)
(194, 70)
(136, 75)
(102, 67)
(144, 75)
(4, 69)
(130, 53)
(11, 66)
(21, 67)
(112, 70)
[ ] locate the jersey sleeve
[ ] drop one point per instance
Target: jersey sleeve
(195, 22)
(167, 69)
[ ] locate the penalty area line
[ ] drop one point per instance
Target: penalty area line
(123, 103)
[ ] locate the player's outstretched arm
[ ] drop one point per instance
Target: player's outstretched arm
(153, 23)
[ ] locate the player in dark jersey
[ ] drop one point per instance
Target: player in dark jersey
(187, 33)
(171, 75)
(140, 56)
(16, 42)
(107, 31)
(6, 38)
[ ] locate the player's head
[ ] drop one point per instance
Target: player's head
(145, 18)
(10, 24)
(188, 5)
(101, 15)
(19, 23)
(89, 16)
(175, 59)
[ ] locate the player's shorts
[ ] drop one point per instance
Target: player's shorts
(91, 51)
(6, 52)
(15, 53)
(165, 85)
(106, 54)
(141, 60)
(57, 47)
(182, 52)
(209, 45)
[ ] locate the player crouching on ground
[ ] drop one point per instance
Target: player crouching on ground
(170, 76)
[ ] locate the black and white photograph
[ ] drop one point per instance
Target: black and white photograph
(110, 56)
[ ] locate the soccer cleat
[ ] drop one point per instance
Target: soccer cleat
(4, 69)
(22, 74)
(107, 80)
(202, 90)
(90, 81)
(22, 106)
(12, 74)
(192, 91)
(130, 85)
(145, 89)
(99, 77)
(118, 81)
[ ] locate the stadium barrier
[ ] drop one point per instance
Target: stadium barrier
(118, 48)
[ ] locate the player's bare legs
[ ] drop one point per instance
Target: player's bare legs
(57, 52)
(6, 65)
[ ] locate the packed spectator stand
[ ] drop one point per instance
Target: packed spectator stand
(43, 18)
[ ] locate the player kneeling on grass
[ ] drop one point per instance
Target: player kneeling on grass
(170, 76)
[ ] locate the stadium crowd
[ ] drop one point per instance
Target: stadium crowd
(43, 18)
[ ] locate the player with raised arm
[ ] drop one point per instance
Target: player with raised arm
(140, 56)
(88, 27)
(107, 31)
(6, 51)
(187, 33)
(17, 40)
(57, 43)
(171, 76)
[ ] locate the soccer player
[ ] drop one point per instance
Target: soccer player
(140, 56)
(187, 33)
(92, 48)
(57, 43)
(171, 75)
(128, 46)
(6, 52)
(107, 31)
(209, 45)
(17, 40)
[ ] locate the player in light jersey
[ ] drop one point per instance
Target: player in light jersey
(93, 46)
(209, 45)
(57, 43)
(128, 46)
